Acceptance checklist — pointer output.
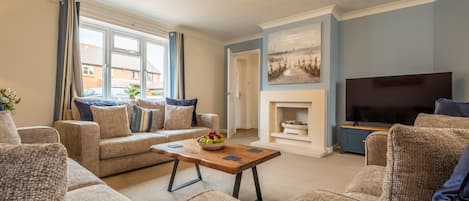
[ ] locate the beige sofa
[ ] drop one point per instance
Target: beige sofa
(81, 183)
(106, 157)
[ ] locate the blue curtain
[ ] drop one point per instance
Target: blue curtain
(69, 77)
(176, 65)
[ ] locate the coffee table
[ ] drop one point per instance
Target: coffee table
(233, 159)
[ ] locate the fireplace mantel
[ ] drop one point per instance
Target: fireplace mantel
(314, 101)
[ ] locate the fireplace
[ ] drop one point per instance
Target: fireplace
(306, 111)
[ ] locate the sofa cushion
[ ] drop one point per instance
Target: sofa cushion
(178, 117)
(144, 119)
(420, 160)
(368, 181)
(451, 108)
(8, 132)
(79, 177)
(441, 121)
(95, 192)
(185, 102)
(33, 172)
(129, 145)
(84, 107)
(113, 121)
(182, 134)
(154, 104)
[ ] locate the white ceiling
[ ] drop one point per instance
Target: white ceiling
(229, 19)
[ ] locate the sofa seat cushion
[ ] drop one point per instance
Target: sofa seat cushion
(129, 145)
(182, 134)
(322, 195)
(369, 180)
(362, 196)
(79, 177)
(95, 192)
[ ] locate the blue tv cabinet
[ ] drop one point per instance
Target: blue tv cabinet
(353, 137)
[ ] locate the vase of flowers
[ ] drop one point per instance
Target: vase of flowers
(8, 99)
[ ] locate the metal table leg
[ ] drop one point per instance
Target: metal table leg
(256, 183)
(173, 175)
(237, 184)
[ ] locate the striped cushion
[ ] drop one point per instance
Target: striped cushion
(143, 119)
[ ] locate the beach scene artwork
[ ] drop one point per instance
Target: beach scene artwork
(294, 55)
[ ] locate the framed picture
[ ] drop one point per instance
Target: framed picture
(294, 55)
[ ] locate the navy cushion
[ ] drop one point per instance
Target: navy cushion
(456, 188)
(451, 108)
(189, 102)
(84, 107)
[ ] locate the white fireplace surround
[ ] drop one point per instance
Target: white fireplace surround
(272, 104)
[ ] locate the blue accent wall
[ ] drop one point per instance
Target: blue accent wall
(452, 43)
(393, 43)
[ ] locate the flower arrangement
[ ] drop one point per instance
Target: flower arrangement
(8, 99)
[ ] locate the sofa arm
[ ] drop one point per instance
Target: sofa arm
(211, 121)
(38, 135)
(321, 195)
(376, 148)
(81, 138)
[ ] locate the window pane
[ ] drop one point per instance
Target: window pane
(126, 43)
(155, 67)
(124, 74)
(91, 47)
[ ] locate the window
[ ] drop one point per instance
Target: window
(88, 70)
(116, 58)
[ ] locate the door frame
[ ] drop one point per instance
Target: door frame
(230, 58)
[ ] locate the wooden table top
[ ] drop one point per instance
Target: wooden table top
(193, 153)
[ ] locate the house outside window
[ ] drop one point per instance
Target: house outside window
(118, 57)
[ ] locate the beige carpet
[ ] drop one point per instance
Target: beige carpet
(281, 179)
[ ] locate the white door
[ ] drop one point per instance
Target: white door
(230, 95)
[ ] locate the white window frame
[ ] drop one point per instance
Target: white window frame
(109, 31)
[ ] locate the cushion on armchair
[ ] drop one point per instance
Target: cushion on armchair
(441, 121)
(8, 131)
(455, 188)
(33, 172)
(419, 160)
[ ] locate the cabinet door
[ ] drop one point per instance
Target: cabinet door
(354, 140)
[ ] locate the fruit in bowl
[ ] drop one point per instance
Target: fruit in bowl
(212, 141)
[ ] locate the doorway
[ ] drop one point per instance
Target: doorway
(243, 93)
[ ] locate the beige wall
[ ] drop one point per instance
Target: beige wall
(28, 39)
(204, 60)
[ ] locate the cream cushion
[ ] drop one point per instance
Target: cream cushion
(113, 121)
(154, 104)
(8, 131)
(420, 160)
(441, 121)
(178, 117)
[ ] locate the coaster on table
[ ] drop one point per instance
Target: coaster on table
(255, 150)
(175, 146)
(231, 158)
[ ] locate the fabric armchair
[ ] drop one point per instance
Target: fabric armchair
(376, 148)
(38, 135)
(81, 138)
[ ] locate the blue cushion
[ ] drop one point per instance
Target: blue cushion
(455, 188)
(451, 108)
(84, 107)
(189, 102)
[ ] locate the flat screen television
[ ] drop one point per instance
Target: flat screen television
(395, 99)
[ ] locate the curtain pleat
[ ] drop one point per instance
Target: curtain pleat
(177, 78)
(69, 81)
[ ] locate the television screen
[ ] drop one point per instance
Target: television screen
(395, 99)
